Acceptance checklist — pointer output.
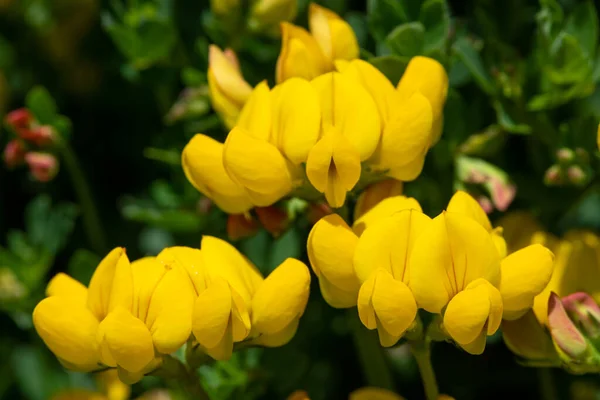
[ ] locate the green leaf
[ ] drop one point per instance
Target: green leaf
(256, 248)
(42, 105)
(508, 123)
(569, 62)
(82, 265)
(582, 24)
(285, 246)
(153, 240)
(407, 39)
(465, 51)
(47, 226)
(384, 15)
(193, 77)
(435, 17)
(173, 220)
(391, 66)
(167, 156)
(164, 195)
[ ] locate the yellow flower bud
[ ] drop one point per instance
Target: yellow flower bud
(281, 299)
(331, 245)
(300, 55)
(427, 76)
(228, 89)
(202, 161)
(375, 193)
(526, 338)
(111, 385)
(265, 15)
(334, 35)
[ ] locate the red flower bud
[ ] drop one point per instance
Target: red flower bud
(43, 166)
(14, 153)
(273, 219)
(240, 226)
(19, 119)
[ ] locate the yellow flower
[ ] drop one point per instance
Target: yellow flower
(227, 87)
(265, 15)
(410, 119)
(375, 193)
(129, 313)
(234, 303)
(350, 130)
(331, 249)
(308, 55)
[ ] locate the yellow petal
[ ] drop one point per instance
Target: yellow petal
(111, 385)
(526, 338)
(333, 167)
(388, 243)
(473, 310)
(282, 297)
(334, 35)
(405, 139)
(296, 118)
(169, 315)
(524, 274)
(221, 259)
(330, 246)
(202, 161)
(374, 393)
(69, 331)
(383, 210)
(447, 257)
(65, 286)
(377, 84)
(127, 340)
(257, 115)
(375, 193)
(300, 55)
(147, 273)
(257, 166)
(388, 304)
(278, 339)
(463, 203)
(429, 77)
(188, 259)
(348, 108)
(101, 284)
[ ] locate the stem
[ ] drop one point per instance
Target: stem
(547, 386)
(371, 355)
(174, 371)
(422, 353)
(91, 220)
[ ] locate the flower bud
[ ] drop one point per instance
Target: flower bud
(374, 193)
(19, 119)
(265, 15)
(576, 175)
(585, 312)
(565, 155)
(11, 289)
(486, 204)
(334, 35)
(240, 226)
(568, 339)
(228, 89)
(14, 153)
(273, 219)
(300, 55)
(527, 338)
(43, 166)
(298, 395)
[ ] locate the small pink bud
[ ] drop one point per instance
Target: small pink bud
(19, 119)
(486, 204)
(273, 219)
(43, 135)
(565, 155)
(476, 177)
(43, 166)
(576, 174)
(502, 194)
(564, 333)
(553, 176)
(14, 153)
(584, 310)
(240, 226)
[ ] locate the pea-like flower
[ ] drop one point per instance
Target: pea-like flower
(266, 15)
(234, 302)
(308, 55)
(130, 315)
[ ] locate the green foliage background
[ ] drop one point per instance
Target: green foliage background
(110, 76)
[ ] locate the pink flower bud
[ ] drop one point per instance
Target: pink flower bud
(502, 193)
(565, 155)
(553, 176)
(576, 174)
(582, 308)
(14, 153)
(43, 135)
(486, 204)
(273, 219)
(19, 119)
(564, 333)
(43, 166)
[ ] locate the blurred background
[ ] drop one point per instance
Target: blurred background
(123, 84)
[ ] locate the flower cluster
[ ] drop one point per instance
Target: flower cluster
(395, 260)
(133, 313)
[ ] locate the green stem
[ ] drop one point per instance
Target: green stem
(422, 352)
(91, 220)
(372, 358)
(176, 372)
(547, 386)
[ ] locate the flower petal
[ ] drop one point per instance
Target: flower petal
(296, 118)
(462, 203)
(300, 54)
(334, 35)
(257, 166)
(375, 193)
(212, 311)
(350, 109)
(100, 292)
(524, 274)
(127, 340)
(282, 297)
(69, 331)
(383, 210)
(202, 161)
(188, 259)
(526, 338)
(451, 254)
(65, 286)
(330, 246)
(257, 115)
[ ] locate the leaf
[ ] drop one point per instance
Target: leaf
(582, 24)
(82, 265)
(568, 61)
(256, 248)
(384, 15)
(407, 39)
(164, 195)
(507, 122)
(171, 157)
(173, 220)
(435, 17)
(465, 51)
(391, 66)
(285, 246)
(193, 77)
(153, 240)
(41, 104)
(49, 227)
